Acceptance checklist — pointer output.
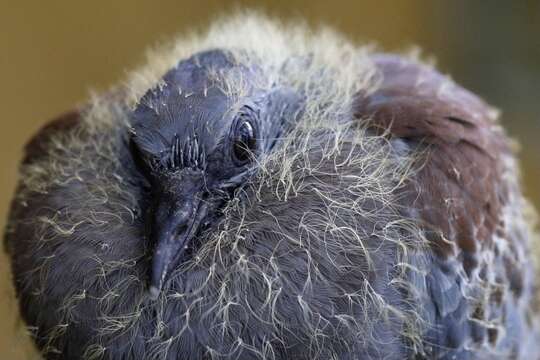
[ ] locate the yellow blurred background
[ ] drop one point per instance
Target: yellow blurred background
(53, 52)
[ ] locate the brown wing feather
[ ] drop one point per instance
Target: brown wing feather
(460, 192)
(467, 199)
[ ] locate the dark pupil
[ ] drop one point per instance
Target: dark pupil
(244, 143)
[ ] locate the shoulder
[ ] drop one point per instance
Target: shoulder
(38, 145)
(460, 188)
(467, 201)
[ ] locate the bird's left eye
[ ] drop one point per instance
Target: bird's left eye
(244, 142)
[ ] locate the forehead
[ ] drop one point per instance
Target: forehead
(191, 100)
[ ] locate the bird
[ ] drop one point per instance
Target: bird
(266, 190)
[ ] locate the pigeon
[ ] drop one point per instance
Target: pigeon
(264, 190)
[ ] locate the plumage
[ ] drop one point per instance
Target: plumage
(378, 213)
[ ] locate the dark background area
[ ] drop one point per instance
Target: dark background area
(53, 52)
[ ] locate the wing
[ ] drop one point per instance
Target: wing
(38, 144)
(37, 148)
(467, 200)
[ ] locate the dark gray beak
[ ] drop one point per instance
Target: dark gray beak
(178, 213)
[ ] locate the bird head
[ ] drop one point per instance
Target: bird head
(197, 143)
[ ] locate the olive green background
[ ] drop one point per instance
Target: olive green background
(53, 52)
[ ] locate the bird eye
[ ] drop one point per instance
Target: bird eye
(244, 142)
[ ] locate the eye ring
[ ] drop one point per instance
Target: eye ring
(244, 144)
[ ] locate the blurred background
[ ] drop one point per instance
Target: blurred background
(53, 52)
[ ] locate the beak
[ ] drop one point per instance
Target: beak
(177, 216)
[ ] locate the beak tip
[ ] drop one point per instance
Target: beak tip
(153, 292)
